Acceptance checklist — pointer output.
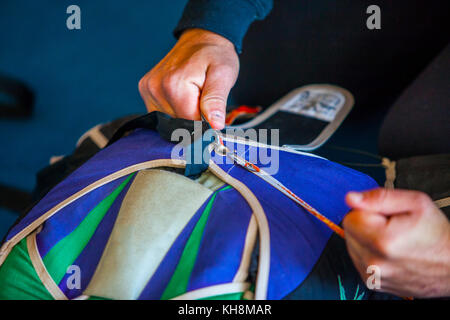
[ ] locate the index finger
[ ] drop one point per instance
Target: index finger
(387, 201)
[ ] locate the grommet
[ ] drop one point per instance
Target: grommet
(221, 150)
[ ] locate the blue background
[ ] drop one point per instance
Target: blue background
(80, 77)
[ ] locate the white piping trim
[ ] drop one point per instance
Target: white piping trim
(96, 136)
(41, 270)
(326, 132)
(442, 203)
(221, 289)
(285, 148)
(7, 246)
(55, 159)
(262, 279)
(390, 172)
(250, 240)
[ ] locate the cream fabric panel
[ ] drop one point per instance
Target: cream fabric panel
(210, 181)
(155, 210)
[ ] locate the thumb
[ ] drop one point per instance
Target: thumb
(387, 201)
(213, 100)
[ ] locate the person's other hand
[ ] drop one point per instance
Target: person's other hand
(197, 74)
(405, 235)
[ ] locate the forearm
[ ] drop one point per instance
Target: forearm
(228, 18)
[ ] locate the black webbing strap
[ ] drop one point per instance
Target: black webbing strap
(16, 99)
(14, 199)
(165, 125)
(158, 121)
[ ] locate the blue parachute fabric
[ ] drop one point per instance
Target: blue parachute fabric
(297, 238)
(223, 241)
(142, 145)
(92, 253)
(60, 225)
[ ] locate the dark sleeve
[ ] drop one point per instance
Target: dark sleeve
(228, 18)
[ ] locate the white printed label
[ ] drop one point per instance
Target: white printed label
(320, 104)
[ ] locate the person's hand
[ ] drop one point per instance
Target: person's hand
(197, 74)
(405, 235)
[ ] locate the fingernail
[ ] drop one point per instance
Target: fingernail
(355, 196)
(217, 115)
(217, 119)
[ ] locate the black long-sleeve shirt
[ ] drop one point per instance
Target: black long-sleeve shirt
(229, 18)
(327, 41)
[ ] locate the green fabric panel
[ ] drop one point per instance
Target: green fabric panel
(226, 188)
(229, 296)
(18, 279)
(65, 252)
(180, 278)
(97, 298)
